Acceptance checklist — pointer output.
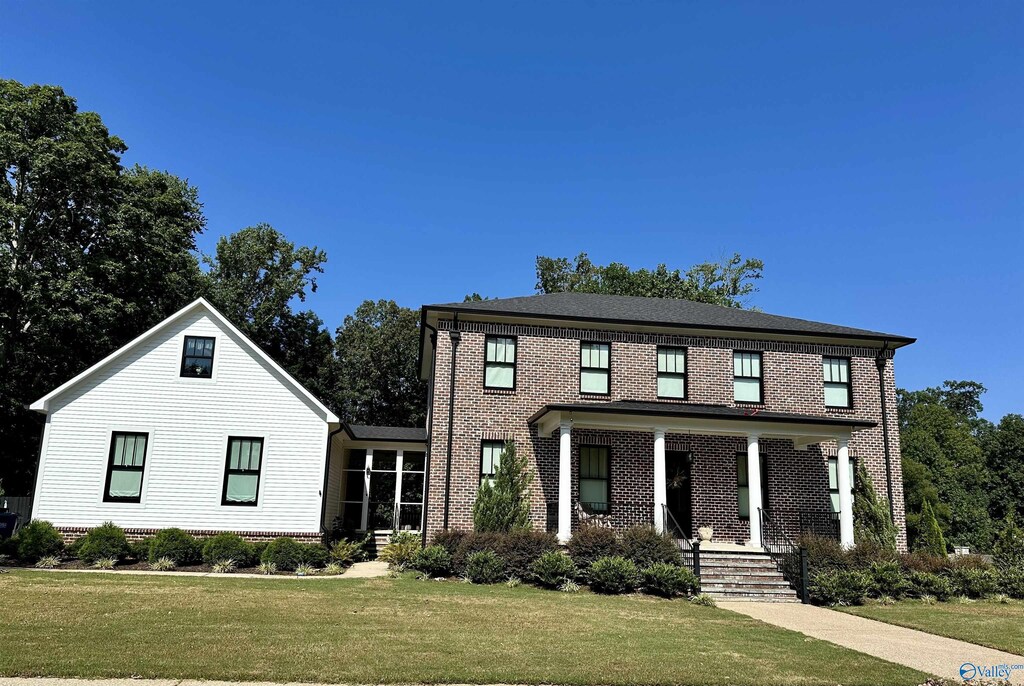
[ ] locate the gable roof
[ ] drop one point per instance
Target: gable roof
(623, 309)
(43, 404)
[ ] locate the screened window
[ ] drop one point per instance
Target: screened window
(125, 467)
(355, 490)
(500, 362)
(595, 367)
(242, 477)
(746, 381)
(594, 468)
(490, 458)
(197, 358)
(836, 372)
(833, 481)
(671, 372)
(743, 484)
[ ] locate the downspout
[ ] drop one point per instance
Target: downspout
(880, 364)
(327, 471)
(455, 337)
(430, 428)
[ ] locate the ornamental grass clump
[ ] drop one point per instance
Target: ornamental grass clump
(332, 569)
(224, 566)
(164, 564)
(104, 563)
(48, 562)
(304, 569)
(267, 568)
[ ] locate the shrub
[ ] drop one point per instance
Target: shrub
(645, 546)
(284, 552)
(484, 567)
(930, 585)
(48, 562)
(888, 579)
(104, 563)
(590, 543)
(968, 562)
(71, 550)
(867, 553)
(668, 580)
(164, 564)
(176, 545)
(38, 539)
(402, 547)
(922, 561)
(703, 599)
(227, 546)
(614, 575)
(973, 582)
(313, 554)
(139, 550)
(871, 513)
(475, 542)
(106, 540)
(344, 553)
(823, 553)
(433, 561)
(257, 550)
(1011, 582)
(520, 549)
(931, 539)
(840, 587)
(450, 540)
(1008, 551)
(224, 566)
(552, 569)
(504, 505)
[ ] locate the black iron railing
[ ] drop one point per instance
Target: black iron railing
(409, 516)
(789, 558)
(819, 523)
(610, 514)
(690, 552)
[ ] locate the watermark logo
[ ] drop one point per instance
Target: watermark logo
(970, 671)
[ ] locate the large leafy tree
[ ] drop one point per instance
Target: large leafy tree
(378, 381)
(89, 254)
(1003, 446)
(727, 283)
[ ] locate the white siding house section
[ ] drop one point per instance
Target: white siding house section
(189, 422)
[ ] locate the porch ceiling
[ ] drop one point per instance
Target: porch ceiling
(634, 415)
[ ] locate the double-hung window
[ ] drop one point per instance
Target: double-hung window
(490, 458)
(836, 374)
(746, 377)
(594, 481)
(197, 357)
(500, 362)
(833, 481)
(595, 368)
(671, 372)
(743, 484)
(125, 467)
(242, 471)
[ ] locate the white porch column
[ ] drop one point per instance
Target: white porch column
(660, 490)
(564, 481)
(754, 488)
(845, 494)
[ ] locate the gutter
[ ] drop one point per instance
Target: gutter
(455, 337)
(327, 470)
(880, 364)
(430, 428)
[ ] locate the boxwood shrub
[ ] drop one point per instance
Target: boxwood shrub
(614, 575)
(434, 561)
(973, 582)
(668, 580)
(484, 567)
(929, 584)
(105, 541)
(520, 549)
(645, 546)
(840, 587)
(591, 543)
(228, 546)
(38, 539)
(176, 545)
(1011, 582)
(287, 554)
(552, 569)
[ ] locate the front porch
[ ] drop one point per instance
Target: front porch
(685, 467)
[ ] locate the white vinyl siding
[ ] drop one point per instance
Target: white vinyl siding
(836, 375)
(747, 377)
(188, 422)
(595, 368)
(500, 362)
(671, 372)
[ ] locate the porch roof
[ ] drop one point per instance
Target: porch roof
(390, 434)
(693, 417)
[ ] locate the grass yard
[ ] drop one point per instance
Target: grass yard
(396, 630)
(985, 622)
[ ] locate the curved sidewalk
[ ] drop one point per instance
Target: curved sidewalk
(928, 653)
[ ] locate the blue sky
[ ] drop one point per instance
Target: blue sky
(871, 158)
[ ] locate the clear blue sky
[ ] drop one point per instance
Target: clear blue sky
(871, 154)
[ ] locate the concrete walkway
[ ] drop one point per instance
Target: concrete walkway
(925, 652)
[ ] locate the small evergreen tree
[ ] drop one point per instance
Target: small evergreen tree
(503, 506)
(932, 540)
(871, 520)
(1008, 552)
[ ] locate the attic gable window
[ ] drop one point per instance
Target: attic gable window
(197, 357)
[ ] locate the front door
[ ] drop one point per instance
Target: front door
(679, 491)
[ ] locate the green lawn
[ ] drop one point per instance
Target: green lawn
(396, 630)
(985, 622)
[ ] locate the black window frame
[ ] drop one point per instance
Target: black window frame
(514, 364)
(107, 498)
(760, 379)
(765, 502)
(828, 478)
(494, 474)
(684, 375)
(608, 370)
(185, 356)
(848, 383)
(607, 479)
(228, 471)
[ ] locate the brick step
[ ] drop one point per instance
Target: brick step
(742, 578)
(734, 556)
(729, 564)
(744, 585)
(731, 597)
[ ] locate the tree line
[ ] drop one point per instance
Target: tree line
(92, 253)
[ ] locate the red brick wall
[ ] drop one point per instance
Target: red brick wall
(548, 371)
(71, 533)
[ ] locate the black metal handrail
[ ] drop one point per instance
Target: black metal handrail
(690, 551)
(789, 558)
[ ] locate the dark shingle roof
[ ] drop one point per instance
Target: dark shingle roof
(690, 410)
(395, 434)
(623, 309)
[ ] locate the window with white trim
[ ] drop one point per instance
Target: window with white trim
(197, 357)
(125, 467)
(242, 471)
